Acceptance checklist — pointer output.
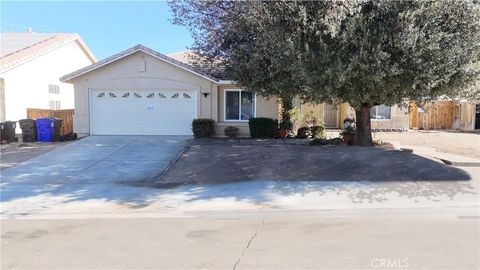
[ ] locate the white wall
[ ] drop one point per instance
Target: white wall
(26, 86)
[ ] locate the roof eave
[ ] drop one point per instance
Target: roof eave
(116, 57)
(30, 58)
(87, 50)
(227, 82)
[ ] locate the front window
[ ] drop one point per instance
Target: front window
(381, 112)
(239, 105)
(54, 104)
(53, 89)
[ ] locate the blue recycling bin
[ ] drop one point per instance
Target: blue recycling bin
(45, 129)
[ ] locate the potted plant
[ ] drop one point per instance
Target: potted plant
(348, 135)
(285, 127)
(348, 122)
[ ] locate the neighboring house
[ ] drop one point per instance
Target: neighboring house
(382, 117)
(30, 67)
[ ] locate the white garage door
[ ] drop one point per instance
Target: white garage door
(142, 112)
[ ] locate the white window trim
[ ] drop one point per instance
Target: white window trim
(383, 120)
(55, 104)
(239, 107)
(56, 91)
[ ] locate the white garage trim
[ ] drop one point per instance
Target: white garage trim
(136, 111)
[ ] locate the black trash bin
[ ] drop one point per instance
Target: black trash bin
(2, 133)
(29, 130)
(57, 125)
(8, 131)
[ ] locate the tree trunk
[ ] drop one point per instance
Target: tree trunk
(286, 121)
(364, 127)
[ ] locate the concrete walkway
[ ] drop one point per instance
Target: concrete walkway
(447, 158)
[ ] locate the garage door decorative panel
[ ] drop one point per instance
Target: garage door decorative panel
(143, 112)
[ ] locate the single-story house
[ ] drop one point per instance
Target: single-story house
(142, 92)
(30, 67)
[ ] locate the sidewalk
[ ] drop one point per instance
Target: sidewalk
(447, 158)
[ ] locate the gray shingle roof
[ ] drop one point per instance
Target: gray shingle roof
(214, 69)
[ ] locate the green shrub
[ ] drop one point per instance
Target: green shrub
(231, 132)
(349, 130)
(317, 131)
(203, 128)
(303, 133)
(332, 141)
(262, 127)
(309, 118)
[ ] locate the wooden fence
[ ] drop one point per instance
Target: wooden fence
(65, 115)
(443, 115)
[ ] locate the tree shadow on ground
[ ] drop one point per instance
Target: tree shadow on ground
(264, 191)
(255, 174)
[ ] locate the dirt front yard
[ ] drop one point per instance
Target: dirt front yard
(464, 144)
(222, 161)
(14, 153)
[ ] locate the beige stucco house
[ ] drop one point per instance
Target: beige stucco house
(30, 66)
(142, 92)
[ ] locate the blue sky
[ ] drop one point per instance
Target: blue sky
(106, 27)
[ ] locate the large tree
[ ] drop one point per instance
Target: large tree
(362, 52)
(246, 40)
(390, 52)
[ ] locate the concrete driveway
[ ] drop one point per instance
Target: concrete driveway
(96, 166)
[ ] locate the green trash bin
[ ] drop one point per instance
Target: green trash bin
(29, 130)
(57, 125)
(8, 131)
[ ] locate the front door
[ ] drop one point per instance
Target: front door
(330, 115)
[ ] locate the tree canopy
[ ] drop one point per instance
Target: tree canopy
(362, 52)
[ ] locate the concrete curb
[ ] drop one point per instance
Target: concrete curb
(460, 163)
(449, 159)
(156, 177)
